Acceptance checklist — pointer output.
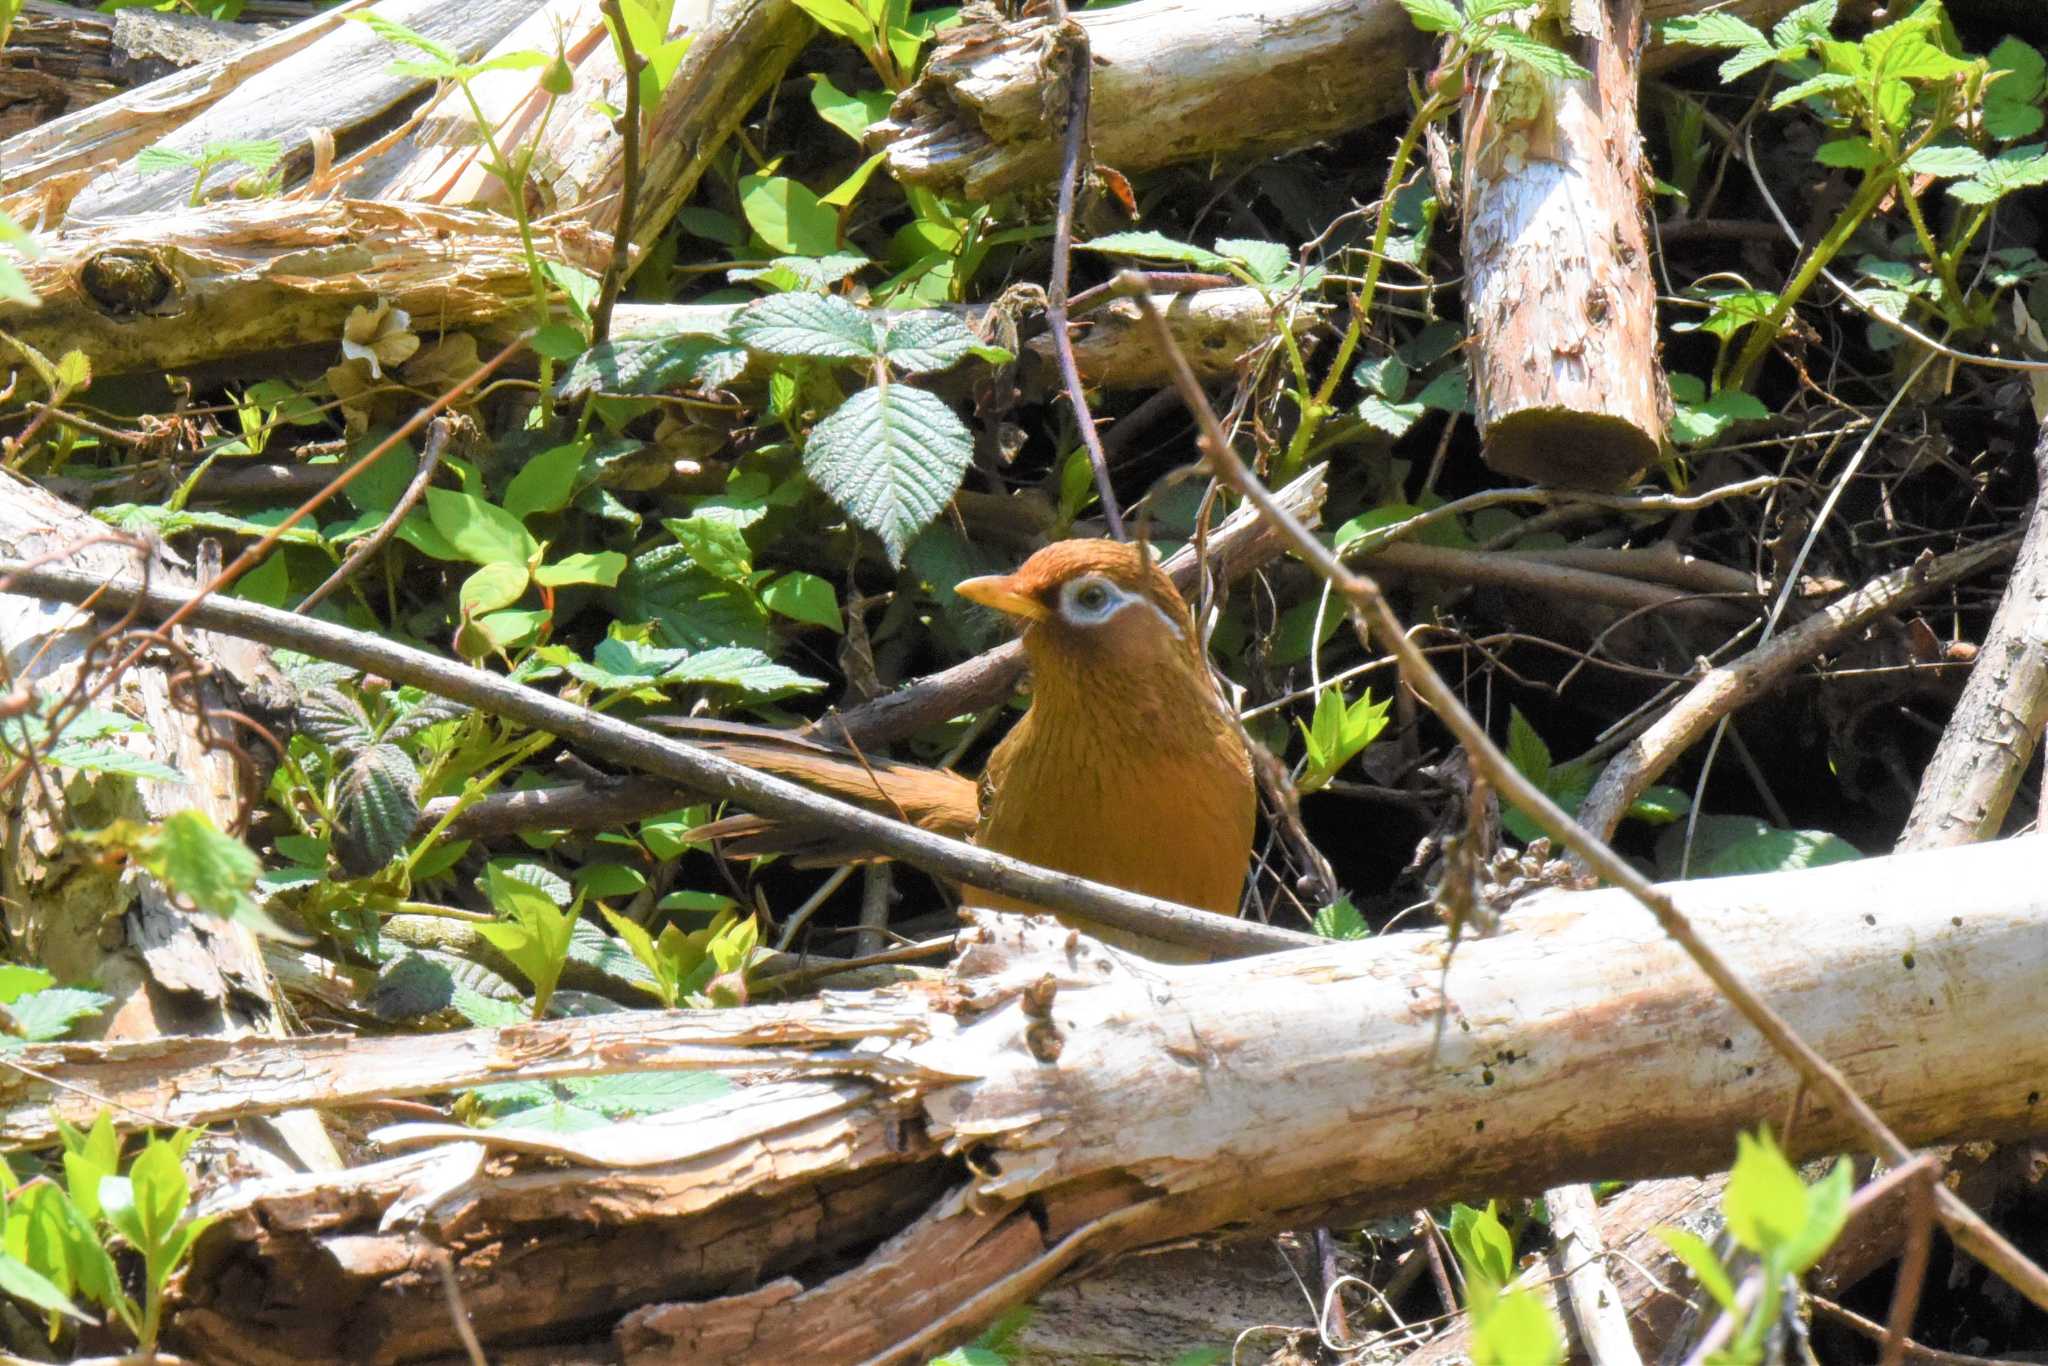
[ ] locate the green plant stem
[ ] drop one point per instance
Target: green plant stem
(1876, 181)
(1318, 406)
(515, 193)
(1952, 290)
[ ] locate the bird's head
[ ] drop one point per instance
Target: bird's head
(1093, 608)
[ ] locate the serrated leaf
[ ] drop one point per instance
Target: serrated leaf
(98, 758)
(689, 607)
(927, 341)
(1340, 920)
(652, 364)
(1266, 262)
(647, 1093)
(49, 1014)
(1946, 162)
(1533, 53)
(892, 457)
(1433, 16)
(1392, 418)
(212, 870)
(378, 805)
(1154, 246)
(820, 326)
(1765, 1202)
(748, 670)
(1809, 23)
(814, 273)
(1526, 750)
(1822, 84)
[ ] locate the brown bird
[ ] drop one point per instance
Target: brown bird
(1128, 768)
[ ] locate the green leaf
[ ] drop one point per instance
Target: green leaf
(481, 532)
(787, 216)
(491, 587)
(1340, 920)
(921, 342)
(1387, 377)
(19, 979)
(1946, 162)
(821, 326)
(1533, 53)
(547, 482)
(1517, 1329)
(1154, 246)
(803, 597)
(818, 274)
(1267, 262)
(736, 666)
(1698, 1256)
(2012, 97)
(850, 114)
(717, 546)
(1526, 750)
(45, 1015)
(689, 607)
(842, 18)
(892, 456)
(211, 870)
(1765, 1203)
(1807, 24)
(1433, 16)
(24, 1282)
(1854, 154)
(643, 364)
(601, 567)
(1392, 418)
(1729, 846)
(376, 809)
(1482, 1244)
(847, 190)
(1827, 1209)
(1825, 83)
(98, 758)
(1659, 806)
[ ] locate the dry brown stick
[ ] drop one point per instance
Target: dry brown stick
(1740, 681)
(430, 460)
(1373, 618)
(1071, 44)
(1243, 543)
(1506, 569)
(1990, 739)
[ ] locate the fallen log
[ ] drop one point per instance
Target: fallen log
(1174, 80)
(1055, 1104)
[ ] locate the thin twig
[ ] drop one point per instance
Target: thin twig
(1073, 42)
(430, 461)
(1373, 618)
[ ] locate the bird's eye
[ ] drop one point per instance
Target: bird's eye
(1091, 600)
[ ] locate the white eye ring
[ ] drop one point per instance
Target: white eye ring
(1091, 600)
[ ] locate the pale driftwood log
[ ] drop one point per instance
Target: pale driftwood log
(1988, 743)
(42, 168)
(1566, 384)
(173, 290)
(70, 910)
(338, 82)
(1108, 1105)
(1175, 80)
(60, 58)
(739, 49)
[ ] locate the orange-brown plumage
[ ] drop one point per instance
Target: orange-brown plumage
(1128, 768)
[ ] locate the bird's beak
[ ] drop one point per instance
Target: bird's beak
(1000, 592)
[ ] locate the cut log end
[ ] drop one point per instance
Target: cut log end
(1571, 449)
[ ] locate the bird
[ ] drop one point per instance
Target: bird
(1128, 767)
